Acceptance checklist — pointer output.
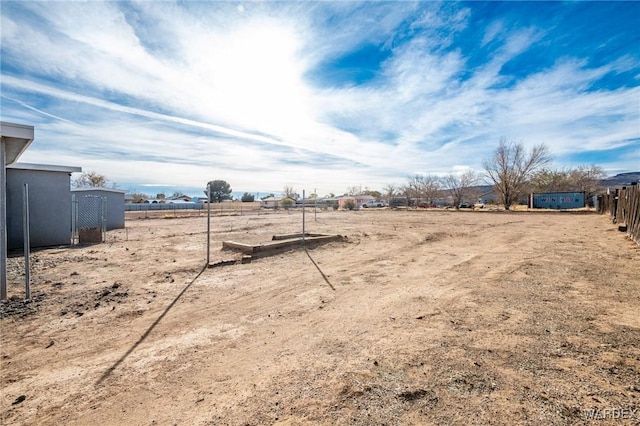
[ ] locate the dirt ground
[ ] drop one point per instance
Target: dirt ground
(418, 318)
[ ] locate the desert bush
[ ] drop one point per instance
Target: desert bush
(286, 203)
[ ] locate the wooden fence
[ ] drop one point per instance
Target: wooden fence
(623, 206)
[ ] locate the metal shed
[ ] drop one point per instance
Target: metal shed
(49, 204)
(557, 200)
(114, 204)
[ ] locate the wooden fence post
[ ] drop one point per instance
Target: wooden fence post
(623, 206)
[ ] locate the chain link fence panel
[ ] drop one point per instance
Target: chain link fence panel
(89, 219)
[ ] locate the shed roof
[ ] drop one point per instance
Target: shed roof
(101, 189)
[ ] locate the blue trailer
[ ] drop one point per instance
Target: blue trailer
(557, 200)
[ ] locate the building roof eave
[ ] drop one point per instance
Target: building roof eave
(16, 138)
(45, 167)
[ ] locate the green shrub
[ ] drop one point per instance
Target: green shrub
(286, 203)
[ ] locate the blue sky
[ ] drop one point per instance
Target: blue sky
(325, 96)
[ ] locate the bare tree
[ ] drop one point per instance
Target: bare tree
(461, 186)
(91, 179)
(431, 189)
(405, 192)
(390, 191)
(511, 167)
(413, 189)
(289, 192)
(587, 179)
(354, 190)
(425, 188)
(547, 180)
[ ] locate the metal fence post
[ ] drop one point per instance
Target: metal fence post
(104, 219)
(3, 223)
(208, 221)
(74, 219)
(27, 243)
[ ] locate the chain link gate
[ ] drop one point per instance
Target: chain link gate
(88, 219)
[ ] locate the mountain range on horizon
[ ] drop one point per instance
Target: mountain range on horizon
(621, 179)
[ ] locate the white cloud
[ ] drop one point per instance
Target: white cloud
(151, 90)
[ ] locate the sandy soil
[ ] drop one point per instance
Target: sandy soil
(420, 317)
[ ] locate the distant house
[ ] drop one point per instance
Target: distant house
(275, 202)
(178, 201)
(399, 202)
(318, 202)
(489, 197)
(184, 198)
(358, 200)
(328, 202)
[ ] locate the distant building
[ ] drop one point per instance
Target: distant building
(358, 200)
(178, 201)
(489, 197)
(557, 200)
(399, 202)
(184, 198)
(275, 202)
